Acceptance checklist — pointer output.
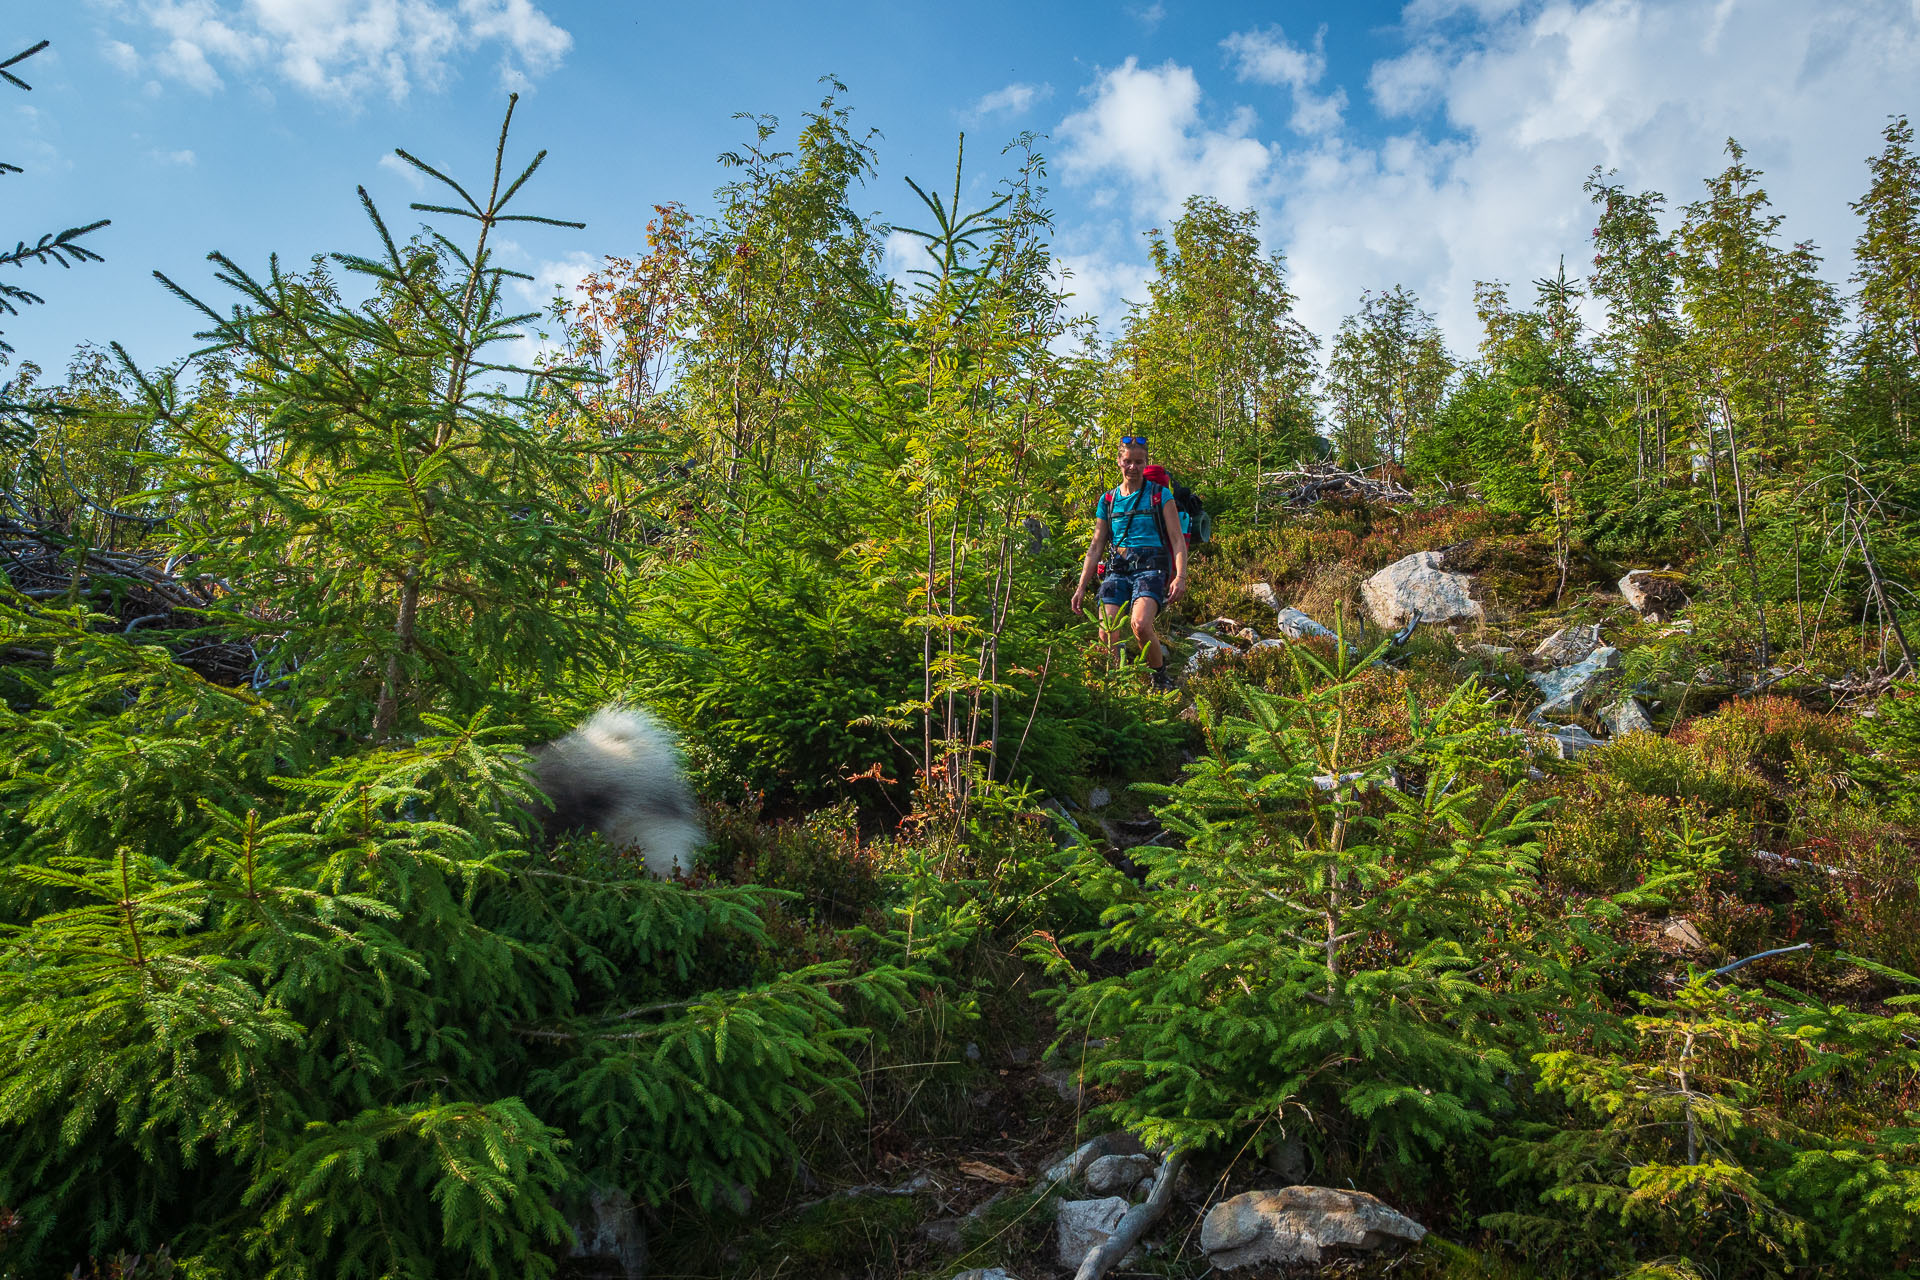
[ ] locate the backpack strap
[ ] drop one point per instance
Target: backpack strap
(1156, 497)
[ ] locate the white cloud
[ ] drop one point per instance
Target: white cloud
(343, 49)
(1528, 100)
(1145, 127)
(1100, 282)
(903, 253)
(1149, 16)
(1012, 100)
(558, 275)
(122, 55)
(184, 158)
(401, 169)
(1267, 57)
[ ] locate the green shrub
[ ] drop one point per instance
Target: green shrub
(1299, 927)
(1655, 766)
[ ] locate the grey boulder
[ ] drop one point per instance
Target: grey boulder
(1570, 741)
(1626, 716)
(610, 1233)
(1565, 689)
(1300, 1224)
(1654, 590)
(1295, 625)
(1114, 1175)
(1419, 583)
(1117, 1142)
(1081, 1226)
(1568, 644)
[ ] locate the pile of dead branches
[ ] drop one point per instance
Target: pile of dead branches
(129, 589)
(1318, 481)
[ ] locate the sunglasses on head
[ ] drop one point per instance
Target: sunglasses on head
(1139, 440)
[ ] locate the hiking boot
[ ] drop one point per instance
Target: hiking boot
(1161, 680)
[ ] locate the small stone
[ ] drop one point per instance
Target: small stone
(985, 1273)
(1289, 1160)
(1659, 590)
(1110, 1175)
(1116, 1142)
(1681, 931)
(1262, 594)
(1207, 648)
(1565, 689)
(942, 1233)
(1064, 1081)
(1568, 645)
(1081, 1226)
(1099, 798)
(1570, 742)
(610, 1232)
(1624, 717)
(1300, 1224)
(1296, 625)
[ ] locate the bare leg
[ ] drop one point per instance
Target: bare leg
(1144, 612)
(1112, 629)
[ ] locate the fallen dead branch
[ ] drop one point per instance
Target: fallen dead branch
(1135, 1223)
(1318, 481)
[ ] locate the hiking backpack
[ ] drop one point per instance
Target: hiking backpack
(1195, 520)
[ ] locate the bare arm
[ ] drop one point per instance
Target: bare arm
(1102, 535)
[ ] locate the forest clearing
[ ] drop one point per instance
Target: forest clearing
(1519, 878)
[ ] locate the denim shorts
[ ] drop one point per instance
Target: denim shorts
(1130, 580)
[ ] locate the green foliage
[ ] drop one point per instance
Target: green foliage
(1721, 1137)
(1387, 372)
(286, 988)
(1321, 956)
(1214, 369)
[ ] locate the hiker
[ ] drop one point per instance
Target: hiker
(1136, 528)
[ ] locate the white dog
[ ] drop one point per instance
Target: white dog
(619, 775)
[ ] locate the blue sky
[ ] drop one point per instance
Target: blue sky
(1429, 143)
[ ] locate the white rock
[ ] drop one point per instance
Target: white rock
(985, 1273)
(1660, 590)
(1681, 930)
(1565, 689)
(1299, 1224)
(1624, 717)
(1099, 796)
(1207, 649)
(1081, 1226)
(1570, 742)
(1262, 594)
(1117, 1142)
(1112, 1175)
(611, 1232)
(1418, 582)
(1296, 625)
(1568, 644)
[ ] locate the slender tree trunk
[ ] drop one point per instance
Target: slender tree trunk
(1880, 593)
(1746, 538)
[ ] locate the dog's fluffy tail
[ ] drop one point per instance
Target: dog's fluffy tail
(618, 774)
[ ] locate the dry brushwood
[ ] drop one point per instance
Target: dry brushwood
(141, 590)
(1318, 481)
